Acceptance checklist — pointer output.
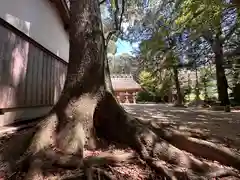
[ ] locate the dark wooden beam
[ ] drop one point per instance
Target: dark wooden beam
(30, 40)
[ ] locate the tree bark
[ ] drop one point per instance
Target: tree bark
(86, 108)
(222, 85)
(217, 48)
(108, 81)
(85, 83)
(69, 126)
(178, 88)
(197, 86)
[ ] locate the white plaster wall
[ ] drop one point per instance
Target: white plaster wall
(38, 19)
(22, 115)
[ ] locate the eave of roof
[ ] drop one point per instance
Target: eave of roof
(124, 82)
(63, 10)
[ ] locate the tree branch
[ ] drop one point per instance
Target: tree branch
(121, 16)
(207, 35)
(231, 31)
(101, 2)
(118, 23)
(109, 36)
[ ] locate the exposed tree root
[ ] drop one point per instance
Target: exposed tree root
(168, 151)
(205, 149)
(96, 173)
(85, 108)
(199, 147)
(158, 145)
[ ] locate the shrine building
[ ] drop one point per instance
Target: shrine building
(125, 88)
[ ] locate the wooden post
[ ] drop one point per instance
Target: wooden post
(134, 98)
(118, 98)
(126, 97)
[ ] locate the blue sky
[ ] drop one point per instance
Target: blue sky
(125, 47)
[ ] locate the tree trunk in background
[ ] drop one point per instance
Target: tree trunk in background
(86, 108)
(236, 3)
(205, 87)
(178, 88)
(197, 86)
(222, 85)
(205, 84)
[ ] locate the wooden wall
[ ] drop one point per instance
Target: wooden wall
(30, 75)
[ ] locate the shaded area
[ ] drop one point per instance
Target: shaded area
(224, 126)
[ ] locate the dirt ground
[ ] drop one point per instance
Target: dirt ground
(225, 126)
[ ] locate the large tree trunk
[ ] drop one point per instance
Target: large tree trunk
(86, 109)
(197, 92)
(178, 88)
(222, 85)
(205, 80)
(69, 126)
(85, 83)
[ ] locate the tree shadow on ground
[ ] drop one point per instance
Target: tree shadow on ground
(224, 126)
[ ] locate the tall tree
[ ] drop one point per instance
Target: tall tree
(160, 53)
(221, 22)
(87, 108)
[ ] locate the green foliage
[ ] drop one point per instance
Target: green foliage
(148, 81)
(204, 24)
(145, 96)
(154, 86)
(122, 63)
(192, 14)
(207, 82)
(157, 54)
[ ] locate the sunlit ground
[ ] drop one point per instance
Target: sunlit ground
(221, 124)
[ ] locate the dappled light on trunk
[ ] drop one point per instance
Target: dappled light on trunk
(87, 114)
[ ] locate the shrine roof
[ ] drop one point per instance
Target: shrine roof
(122, 82)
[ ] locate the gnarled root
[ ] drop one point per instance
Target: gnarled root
(183, 155)
(171, 153)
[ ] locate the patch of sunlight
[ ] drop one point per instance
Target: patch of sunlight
(201, 119)
(45, 136)
(196, 130)
(184, 160)
(159, 116)
(145, 119)
(193, 123)
(19, 63)
(8, 118)
(146, 111)
(142, 104)
(201, 115)
(173, 116)
(22, 25)
(221, 119)
(178, 110)
(169, 116)
(84, 106)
